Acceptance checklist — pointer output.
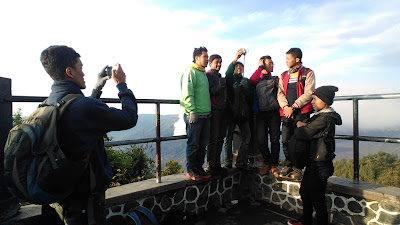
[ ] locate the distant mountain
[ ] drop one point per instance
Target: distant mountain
(145, 128)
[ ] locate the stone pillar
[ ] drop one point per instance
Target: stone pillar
(8, 204)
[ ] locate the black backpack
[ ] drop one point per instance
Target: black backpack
(239, 105)
(298, 152)
(35, 168)
(267, 89)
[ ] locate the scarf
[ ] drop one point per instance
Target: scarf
(295, 69)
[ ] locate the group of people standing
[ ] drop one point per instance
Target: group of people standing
(214, 105)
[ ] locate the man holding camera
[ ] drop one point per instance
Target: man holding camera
(196, 105)
(82, 128)
(239, 97)
(268, 119)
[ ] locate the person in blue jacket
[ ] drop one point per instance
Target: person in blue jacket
(82, 128)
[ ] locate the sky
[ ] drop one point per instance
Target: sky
(351, 44)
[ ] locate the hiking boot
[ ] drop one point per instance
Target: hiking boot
(203, 173)
(275, 171)
(193, 175)
(265, 170)
(286, 170)
(296, 174)
(294, 222)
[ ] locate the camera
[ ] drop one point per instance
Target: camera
(244, 51)
(108, 70)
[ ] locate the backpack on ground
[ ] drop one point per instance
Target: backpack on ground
(35, 168)
(240, 107)
(267, 90)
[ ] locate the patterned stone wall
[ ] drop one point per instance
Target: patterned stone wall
(344, 209)
(195, 198)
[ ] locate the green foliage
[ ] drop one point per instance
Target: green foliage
(130, 165)
(380, 168)
(172, 167)
(17, 117)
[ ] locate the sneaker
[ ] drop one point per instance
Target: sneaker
(265, 170)
(275, 171)
(203, 173)
(286, 170)
(296, 174)
(193, 175)
(294, 222)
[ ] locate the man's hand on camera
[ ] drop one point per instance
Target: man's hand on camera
(239, 54)
(118, 74)
(101, 79)
(193, 118)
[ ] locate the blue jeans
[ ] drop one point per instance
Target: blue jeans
(198, 135)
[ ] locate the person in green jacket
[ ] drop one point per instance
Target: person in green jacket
(196, 105)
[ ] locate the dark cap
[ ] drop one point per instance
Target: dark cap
(326, 93)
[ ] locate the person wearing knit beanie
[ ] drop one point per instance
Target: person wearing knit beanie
(326, 93)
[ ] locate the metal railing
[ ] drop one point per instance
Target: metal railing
(158, 139)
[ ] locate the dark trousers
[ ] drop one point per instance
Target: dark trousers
(198, 135)
(219, 123)
(312, 192)
(269, 122)
(288, 125)
(81, 209)
(244, 144)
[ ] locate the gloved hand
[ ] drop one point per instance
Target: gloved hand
(244, 83)
(101, 79)
(193, 118)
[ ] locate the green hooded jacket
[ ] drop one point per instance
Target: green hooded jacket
(195, 95)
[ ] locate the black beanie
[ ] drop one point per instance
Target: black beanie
(326, 93)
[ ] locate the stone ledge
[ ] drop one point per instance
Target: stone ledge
(364, 190)
(125, 193)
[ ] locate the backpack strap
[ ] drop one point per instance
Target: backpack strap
(65, 101)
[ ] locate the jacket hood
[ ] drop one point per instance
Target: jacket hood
(332, 113)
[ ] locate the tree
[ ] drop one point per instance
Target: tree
(381, 168)
(17, 117)
(130, 165)
(172, 167)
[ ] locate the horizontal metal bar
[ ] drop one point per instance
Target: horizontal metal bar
(370, 138)
(106, 100)
(143, 140)
(368, 97)
(172, 101)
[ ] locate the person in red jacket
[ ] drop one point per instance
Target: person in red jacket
(294, 96)
(267, 117)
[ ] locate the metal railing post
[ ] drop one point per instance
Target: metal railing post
(356, 143)
(158, 144)
(8, 204)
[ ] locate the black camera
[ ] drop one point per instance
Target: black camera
(108, 71)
